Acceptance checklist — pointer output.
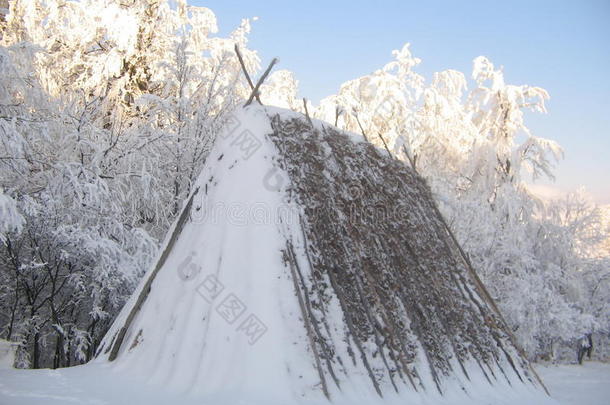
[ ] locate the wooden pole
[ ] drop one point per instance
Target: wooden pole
(260, 81)
(307, 111)
(411, 161)
(118, 341)
(479, 286)
(243, 67)
(385, 145)
(360, 125)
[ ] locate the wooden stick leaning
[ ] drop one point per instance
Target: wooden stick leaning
(117, 341)
(385, 145)
(243, 67)
(307, 111)
(479, 286)
(361, 128)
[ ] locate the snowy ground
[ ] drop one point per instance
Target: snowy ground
(573, 384)
(588, 384)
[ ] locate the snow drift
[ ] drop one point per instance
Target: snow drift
(309, 266)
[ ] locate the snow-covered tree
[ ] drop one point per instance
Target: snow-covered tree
(280, 90)
(107, 112)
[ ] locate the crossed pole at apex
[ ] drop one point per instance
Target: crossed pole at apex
(255, 89)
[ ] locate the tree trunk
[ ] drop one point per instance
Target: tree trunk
(36, 351)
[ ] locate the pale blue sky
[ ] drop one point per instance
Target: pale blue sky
(562, 46)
